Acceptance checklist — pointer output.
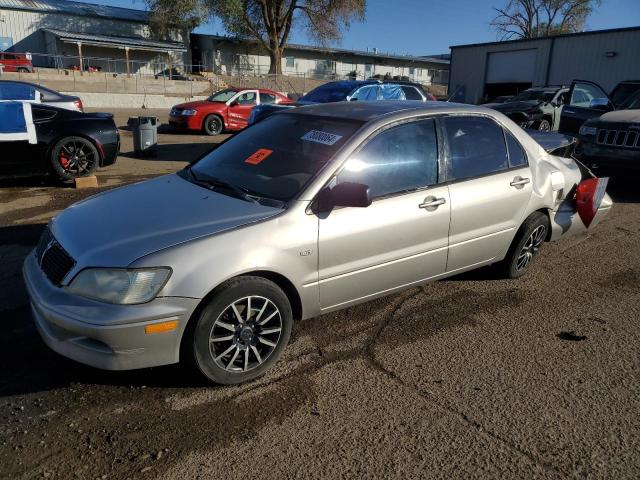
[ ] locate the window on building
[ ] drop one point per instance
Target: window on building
(412, 71)
(290, 62)
(400, 159)
(476, 145)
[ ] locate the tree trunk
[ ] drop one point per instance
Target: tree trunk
(275, 56)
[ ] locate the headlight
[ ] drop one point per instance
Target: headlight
(121, 286)
(188, 112)
(586, 130)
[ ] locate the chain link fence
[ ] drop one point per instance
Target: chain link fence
(68, 73)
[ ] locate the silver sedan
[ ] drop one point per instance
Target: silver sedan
(311, 210)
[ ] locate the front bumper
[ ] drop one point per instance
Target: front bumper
(182, 122)
(111, 337)
(592, 155)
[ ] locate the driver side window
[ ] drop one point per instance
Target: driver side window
(247, 98)
(400, 159)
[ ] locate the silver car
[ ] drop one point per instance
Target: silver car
(311, 210)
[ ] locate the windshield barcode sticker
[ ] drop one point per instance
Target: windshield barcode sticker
(321, 137)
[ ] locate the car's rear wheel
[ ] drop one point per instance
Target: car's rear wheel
(73, 157)
(526, 245)
(213, 125)
(22, 70)
(241, 332)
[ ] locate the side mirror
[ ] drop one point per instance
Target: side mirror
(235, 103)
(345, 194)
(600, 104)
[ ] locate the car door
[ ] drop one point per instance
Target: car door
(19, 157)
(580, 108)
(489, 186)
(401, 238)
(240, 108)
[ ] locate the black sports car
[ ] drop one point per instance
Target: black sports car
(69, 144)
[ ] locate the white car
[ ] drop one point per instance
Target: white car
(45, 95)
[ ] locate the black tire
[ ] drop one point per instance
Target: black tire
(544, 125)
(212, 125)
(73, 157)
(526, 245)
(22, 70)
(244, 357)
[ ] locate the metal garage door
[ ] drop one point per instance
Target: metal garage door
(511, 67)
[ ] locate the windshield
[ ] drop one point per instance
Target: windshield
(631, 103)
(624, 93)
(534, 95)
(329, 92)
(278, 156)
(223, 95)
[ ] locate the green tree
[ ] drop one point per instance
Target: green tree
(267, 21)
(541, 18)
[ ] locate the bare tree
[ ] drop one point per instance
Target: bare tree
(541, 18)
(269, 22)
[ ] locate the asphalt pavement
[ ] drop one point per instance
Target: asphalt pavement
(472, 377)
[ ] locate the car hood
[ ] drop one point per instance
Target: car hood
(513, 106)
(200, 103)
(115, 228)
(621, 116)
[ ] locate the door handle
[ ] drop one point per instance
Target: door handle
(431, 203)
(568, 111)
(519, 182)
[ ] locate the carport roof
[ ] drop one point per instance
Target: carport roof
(134, 43)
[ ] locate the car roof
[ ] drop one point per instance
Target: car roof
(366, 111)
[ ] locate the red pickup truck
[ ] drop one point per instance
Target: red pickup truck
(225, 110)
(16, 62)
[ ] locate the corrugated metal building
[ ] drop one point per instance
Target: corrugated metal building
(483, 71)
(62, 33)
(231, 56)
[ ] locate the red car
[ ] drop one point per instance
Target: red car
(16, 62)
(225, 110)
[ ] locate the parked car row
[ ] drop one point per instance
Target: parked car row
(59, 138)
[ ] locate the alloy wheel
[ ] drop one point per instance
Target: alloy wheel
(245, 334)
(531, 247)
(76, 157)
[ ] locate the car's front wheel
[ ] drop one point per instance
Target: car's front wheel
(526, 245)
(213, 125)
(544, 125)
(73, 157)
(241, 332)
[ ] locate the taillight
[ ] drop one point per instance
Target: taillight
(589, 195)
(78, 103)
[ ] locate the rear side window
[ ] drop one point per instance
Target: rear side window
(411, 93)
(267, 98)
(517, 155)
(400, 159)
(476, 147)
(41, 115)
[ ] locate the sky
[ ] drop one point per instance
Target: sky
(427, 27)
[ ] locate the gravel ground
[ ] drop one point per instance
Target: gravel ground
(473, 377)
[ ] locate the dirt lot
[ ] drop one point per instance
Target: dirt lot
(466, 378)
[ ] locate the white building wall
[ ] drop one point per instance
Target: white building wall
(23, 27)
(233, 58)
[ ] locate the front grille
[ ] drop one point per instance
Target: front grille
(618, 138)
(53, 260)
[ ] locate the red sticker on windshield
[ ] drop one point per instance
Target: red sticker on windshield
(259, 156)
